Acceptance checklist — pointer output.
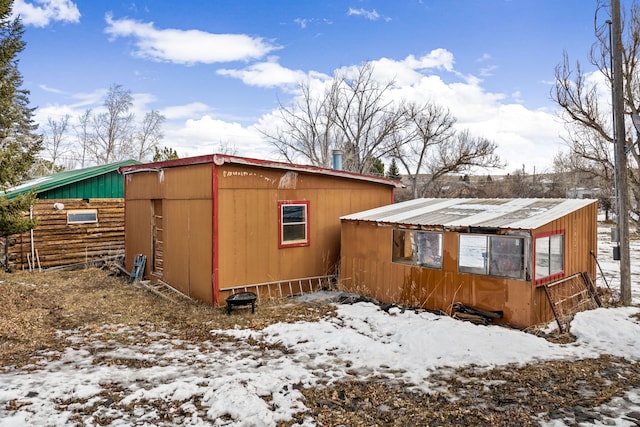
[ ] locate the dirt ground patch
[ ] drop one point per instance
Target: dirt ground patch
(36, 306)
(511, 396)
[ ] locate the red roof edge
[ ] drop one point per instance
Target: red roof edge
(220, 159)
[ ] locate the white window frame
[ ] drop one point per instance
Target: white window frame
(282, 223)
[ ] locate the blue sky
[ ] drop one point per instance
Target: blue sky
(217, 69)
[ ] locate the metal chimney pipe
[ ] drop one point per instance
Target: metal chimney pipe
(337, 159)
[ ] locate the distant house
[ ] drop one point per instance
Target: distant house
(80, 215)
(499, 255)
(214, 225)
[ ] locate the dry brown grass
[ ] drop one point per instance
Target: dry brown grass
(36, 305)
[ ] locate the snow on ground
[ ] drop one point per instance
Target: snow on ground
(224, 381)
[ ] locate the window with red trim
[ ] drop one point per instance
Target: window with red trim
(294, 223)
(549, 256)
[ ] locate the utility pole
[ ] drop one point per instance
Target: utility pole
(620, 154)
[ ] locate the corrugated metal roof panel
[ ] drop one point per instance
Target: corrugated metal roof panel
(522, 214)
(66, 178)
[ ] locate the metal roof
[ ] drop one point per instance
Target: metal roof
(221, 159)
(522, 214)
(61, 179)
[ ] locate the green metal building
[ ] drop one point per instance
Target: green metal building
(97, 182)
(80, 216)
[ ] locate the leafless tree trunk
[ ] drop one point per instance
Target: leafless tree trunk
(113, 128)
(353, 114)
(588, 118)
(149, 135)
(55, 139)
(423, 129)
(308, 128)
(84, 136)
(366, 118)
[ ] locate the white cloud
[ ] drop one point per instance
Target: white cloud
(266, 74)
(522, 135)
(302, 22)
(178, 112)
(42, 12)
(187, 46)
(405, 72)
(206, 134)
(488, 71)
(50, 89)
(371, 15)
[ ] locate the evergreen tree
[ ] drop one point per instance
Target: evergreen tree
(394, 172)
(166, 153)
(13, 217)
(377, 167)
(19, 144)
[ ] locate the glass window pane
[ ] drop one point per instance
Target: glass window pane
(293, 213)
(507, 257)
(472, 254)
(82, 216)
(556, 254)
(419, 248)
(428, 249)
(542, 257)
(402, 250)
(294, 232)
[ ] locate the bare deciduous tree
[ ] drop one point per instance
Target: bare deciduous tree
(353, 113)
(113, 128)
(308, 128)
(424, 127)
(108, 134)
(585, 106)
(461, 153)
(149, 135)
(366, 117)
(55, 143)
(84, 137)
(428, 144)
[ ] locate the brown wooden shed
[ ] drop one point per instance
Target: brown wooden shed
(502, 255)
(213, 225)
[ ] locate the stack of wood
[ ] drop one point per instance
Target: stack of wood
(474, 315)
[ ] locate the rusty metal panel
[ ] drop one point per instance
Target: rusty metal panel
(366, 267)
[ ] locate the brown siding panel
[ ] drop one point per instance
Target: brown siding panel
(248, 228)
